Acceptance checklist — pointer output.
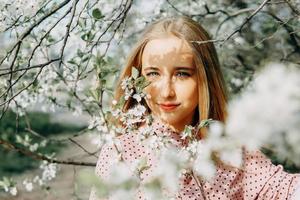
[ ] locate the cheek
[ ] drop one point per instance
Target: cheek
(187, 90)
(152, 92)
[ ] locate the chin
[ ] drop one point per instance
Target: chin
(170, 121)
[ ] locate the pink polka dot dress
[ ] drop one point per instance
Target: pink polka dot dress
(258, 179)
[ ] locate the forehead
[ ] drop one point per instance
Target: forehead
(167, 51)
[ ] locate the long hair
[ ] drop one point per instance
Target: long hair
(211, 86)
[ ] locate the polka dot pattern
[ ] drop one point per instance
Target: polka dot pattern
(257, 179)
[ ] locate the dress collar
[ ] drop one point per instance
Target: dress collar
(163, 130)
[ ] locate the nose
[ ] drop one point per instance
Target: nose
(167, 88)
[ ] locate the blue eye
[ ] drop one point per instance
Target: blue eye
(152, 74)
(183, 74)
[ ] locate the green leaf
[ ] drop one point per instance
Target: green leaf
(6, 181)
(19, 139)
(86, 58)
(205, 123)
(140, 83)
(50, 39)
(35, 83)
(89, 36)
(134, 73)
(72, 61)
(80, 53)
(97, 14)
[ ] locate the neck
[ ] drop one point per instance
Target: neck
(174, 127)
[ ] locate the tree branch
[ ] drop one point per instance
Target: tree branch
(37, 156)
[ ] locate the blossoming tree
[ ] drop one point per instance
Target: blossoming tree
(66, 55)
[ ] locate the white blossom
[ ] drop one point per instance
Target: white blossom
(114, 102)
(155, 142)
(204, 165)
(34, 147)
(38, 180)
(144, 133)
(169, 169)
(13, 191)
(120, 173)
(49, 170)
(98, 123)
(216, 129)
(192, 147)
(138, 97)
(137, 111)
(9, 10)
(232, 157)
(28, 185)
(126, 83)
(267, 109)
(236, 82)
(128, 93)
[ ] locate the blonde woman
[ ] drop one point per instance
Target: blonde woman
(186, 87)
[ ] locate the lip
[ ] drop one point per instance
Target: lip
(168, 106)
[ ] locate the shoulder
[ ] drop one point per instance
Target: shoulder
(258, 178)
(256, 162)
(271, 179)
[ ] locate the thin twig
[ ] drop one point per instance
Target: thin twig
(68, 31)
(259, 8)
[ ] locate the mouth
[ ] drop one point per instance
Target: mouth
(168, 106)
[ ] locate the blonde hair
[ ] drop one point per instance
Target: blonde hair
(211, 85)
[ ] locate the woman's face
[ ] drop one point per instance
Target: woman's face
(168, 64)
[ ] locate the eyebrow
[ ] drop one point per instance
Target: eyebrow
(151, 68)
(176, 68)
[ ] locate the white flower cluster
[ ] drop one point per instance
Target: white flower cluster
(49, 171)
(127, 86)
(133, 86)
(12, 190)
(170, 166)
(8, 186)
(147, 136)
(132, 116)
(201, 152)
(39, 96)
(28, 185)
(106, 137)
(22, 101)
(268, 112)
(98, 123)
(11, 10)
(46, 82)
(26, 141)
